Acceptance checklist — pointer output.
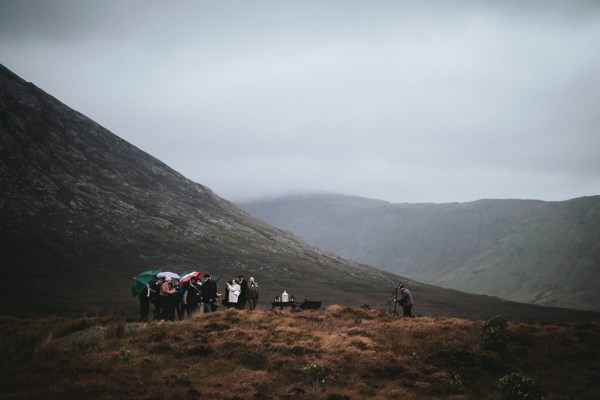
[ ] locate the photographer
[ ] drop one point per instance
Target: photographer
(405, 301)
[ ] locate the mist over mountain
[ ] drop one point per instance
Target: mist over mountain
(82, 211)
(530, 251)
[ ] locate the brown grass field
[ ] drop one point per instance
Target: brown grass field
(260, 354)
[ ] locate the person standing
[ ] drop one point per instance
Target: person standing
(144, 297)
(243, 292)
(156, 297)
(209, 293)
(234, 289)
(192, 295)
(178, 299)
(405, 301)
(253, 293)
(167, 293)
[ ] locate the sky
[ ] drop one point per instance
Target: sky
(404, 101)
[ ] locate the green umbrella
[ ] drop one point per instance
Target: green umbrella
(142, 280)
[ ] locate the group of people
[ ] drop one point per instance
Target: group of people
(240, 292)
(173, 299)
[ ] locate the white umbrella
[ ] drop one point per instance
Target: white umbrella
(168, 274)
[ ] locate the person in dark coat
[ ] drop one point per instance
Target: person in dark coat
(406, 301)
(178, 299)
(144, 297)
(192, 295)
(253, 293)
(209, 293)
(243, 292)
(155, 297)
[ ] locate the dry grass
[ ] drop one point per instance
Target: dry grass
(260, 354)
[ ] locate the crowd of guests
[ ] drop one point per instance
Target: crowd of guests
(173, 299)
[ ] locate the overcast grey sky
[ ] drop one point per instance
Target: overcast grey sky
(405, 101)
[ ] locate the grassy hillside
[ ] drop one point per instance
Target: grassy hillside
(333, 353)
(531, 251)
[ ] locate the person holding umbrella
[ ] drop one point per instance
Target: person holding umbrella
(141, 289)
(144, 298)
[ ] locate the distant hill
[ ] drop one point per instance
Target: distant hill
(530, 251)
(82, 211)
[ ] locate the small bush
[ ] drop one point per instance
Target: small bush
(124, 355)
(517, 386)
(314, 374)
(148, 360)
(415, 359)
(495, 335)
(456, 382)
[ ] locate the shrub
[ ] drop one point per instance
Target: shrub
(517, 386)
(124, 355)
(148, 360)
(494, 332)
(314, 374)
(415, 359)
(456, 382)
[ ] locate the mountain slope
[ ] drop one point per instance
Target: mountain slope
(524, 250)
(83, 211)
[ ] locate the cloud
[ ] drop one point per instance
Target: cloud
(403, 101)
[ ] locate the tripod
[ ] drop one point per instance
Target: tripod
(392, 304)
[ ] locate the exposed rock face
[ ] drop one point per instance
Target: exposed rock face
(523, 250)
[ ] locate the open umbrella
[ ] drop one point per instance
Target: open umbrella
(142, 280)
(187, 277)
(168, 274)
